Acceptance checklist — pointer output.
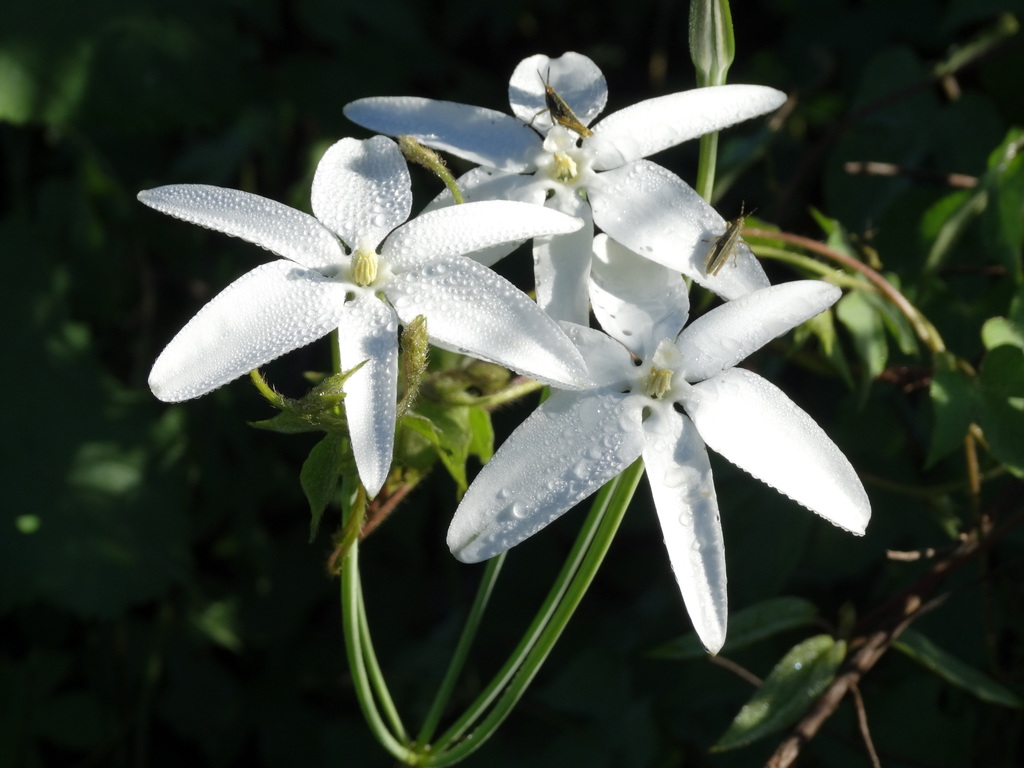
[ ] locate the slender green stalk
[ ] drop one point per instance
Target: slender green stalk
(458, 661)
(705, 184)
(605, 516)
(712, 49)
(536, 628)
(350, 599)
(376, 677)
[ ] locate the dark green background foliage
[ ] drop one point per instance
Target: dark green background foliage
(160, 604)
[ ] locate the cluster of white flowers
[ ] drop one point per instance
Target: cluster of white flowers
(643, 386)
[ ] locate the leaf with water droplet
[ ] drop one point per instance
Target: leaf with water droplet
(788, 691)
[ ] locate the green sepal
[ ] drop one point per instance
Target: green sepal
(712, 43)
(791, 687)
(321, 408)
(751, 625)
(952, 670)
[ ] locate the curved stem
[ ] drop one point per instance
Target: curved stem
(922, 327)
(354, 649)
(605, 516)
(458, 660)
(537, 626)
(376, 676)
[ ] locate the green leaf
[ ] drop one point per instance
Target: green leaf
(319, 475)
(481, 434)
(952, 396)
(791, 687)
(823, 327)
(894, 320)
(1002, 224)
(865, 325)
(949, 218)
(456, 432)
(1006, 330)
(952, 670)
(1001, 415)
(746, 627)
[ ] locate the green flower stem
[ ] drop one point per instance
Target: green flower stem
(586, 557)
(705, 184)
(376, 677)
(712, 50)
(813, 266)
(536, 628)
(354, 648)
(458, 661)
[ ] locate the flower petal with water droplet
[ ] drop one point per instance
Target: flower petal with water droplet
(652, 211)
(476, 134)
(636, 300)
(755, 426)
(575, 77)
(731, 332)
(362, 190)
(684, 494)
(448, 232)
(267, 312)
(369, 331)
(650, 126)
(267, 223)
(565, 451)
(472, 310)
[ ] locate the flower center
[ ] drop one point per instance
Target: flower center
(564, 168)
(364, 267)
(658, 382)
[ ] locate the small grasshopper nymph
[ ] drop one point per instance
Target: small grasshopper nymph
(561, 112)
(725, 245)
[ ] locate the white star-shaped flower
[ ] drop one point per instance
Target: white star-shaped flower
(664, 396)
(343, 270)
(600, 177)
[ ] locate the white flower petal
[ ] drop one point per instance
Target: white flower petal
(562, 265)
(472, 310)
(573, 76)
(565, 450)
(369, 332)
(684, 495)
(736, 329)
(656, 124)
(489, 184)
(655, 213)
(755, 426)
(608, 362)
(476, 134)
(273, 309)
(458, 229)
(362, 190)
(636, 301)
(267, 223)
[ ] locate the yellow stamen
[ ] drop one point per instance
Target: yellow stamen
(658, 382)
(364, 267)
(565, 167)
